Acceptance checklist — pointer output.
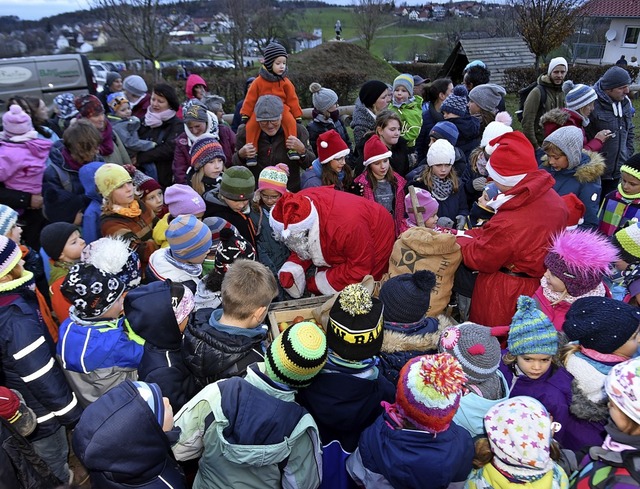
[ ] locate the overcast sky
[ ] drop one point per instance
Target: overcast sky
(36, 9)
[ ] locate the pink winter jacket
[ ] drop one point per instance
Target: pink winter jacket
(22, 164)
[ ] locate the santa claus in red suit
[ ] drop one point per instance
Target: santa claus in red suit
(345, 236)
(509, 250)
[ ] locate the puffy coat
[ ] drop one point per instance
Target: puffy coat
(162, 155)
(557, 118)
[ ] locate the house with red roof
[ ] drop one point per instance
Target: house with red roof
(623, 36)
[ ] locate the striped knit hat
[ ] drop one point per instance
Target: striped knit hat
(405, 80)
(9, 255)
(627, 240)
(189, 238)
(429, 391)
(577, 96)
(271, 52)
(297, 355)
(8, 219)
(531, 331)
(204, 150)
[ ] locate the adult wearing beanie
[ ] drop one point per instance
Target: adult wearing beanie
(135, 88)
(551, 84)
(509, 250)
(374, 97)
(613, 112)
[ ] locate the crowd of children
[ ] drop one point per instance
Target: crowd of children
(133, 308)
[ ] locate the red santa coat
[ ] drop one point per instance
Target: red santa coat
(350, 238)
(517, 238)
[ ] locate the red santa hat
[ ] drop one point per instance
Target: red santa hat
(576, 210)
(375, 150)
(331, 146)
(293, 213)
(512, 159)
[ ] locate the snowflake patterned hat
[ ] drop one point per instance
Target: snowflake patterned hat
(91, 291)
(519, 432)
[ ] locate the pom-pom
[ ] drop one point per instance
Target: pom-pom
(504, 117)
(284, 167)
(315, 87)
(226, 234)
(584, 252)
(355, 300)
(324, 144)
(424, 280)
(15, 109)
(442, 372)
(460, 91)
(567, 86)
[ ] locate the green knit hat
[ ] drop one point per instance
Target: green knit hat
(238, 183)
(531, 331)
(297, 355)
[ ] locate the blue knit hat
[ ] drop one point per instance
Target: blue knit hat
(446, 130)
(188, 238)
(8, 219)
(578, 95)
(456, 103)
(531, 331)
(405, 80)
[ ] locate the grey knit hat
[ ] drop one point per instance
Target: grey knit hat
(271, 52)
(615, 77)
(569, 140)
(135, 84)
(111, 77)
(322, 98)
(268, 108)
(487, 96)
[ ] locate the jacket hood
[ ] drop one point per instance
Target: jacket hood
(120, 435)
(466, 125)
(556, 118)
(149, 312)
(394, 341)
(546, 82)
(591, 167)
(38, 147)
(87, 179)
(192, 81)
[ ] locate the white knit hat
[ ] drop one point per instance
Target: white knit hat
(441, 152)
(555, 62)
(500, 126)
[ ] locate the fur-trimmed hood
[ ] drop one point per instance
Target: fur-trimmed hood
(395, 341)
(589, 170)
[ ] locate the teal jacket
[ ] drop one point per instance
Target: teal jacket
(411, 115)
(249, 433)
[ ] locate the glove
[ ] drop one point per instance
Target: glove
(479, 184)
(445, 222)
(286, 280)
(461, 221)
(312, 287)
(356, 189)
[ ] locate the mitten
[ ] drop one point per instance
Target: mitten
(444, 222)
(461, 221)
(286, 280)
(479, 183)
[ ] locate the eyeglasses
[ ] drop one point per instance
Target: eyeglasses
(270, 197)
(269, 123)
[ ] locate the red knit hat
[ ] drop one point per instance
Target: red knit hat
(331, 146)
(9, 403)
(512, 158)
(293, 213)
(375, 150)
(576, 210)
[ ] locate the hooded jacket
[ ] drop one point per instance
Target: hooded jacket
(249, 433)
(184, 142)
(410, 113)
(615, 116)
(192, 81)
(22, 164)
(211, 354)
(557, 118)
(91, 218)
(139, 452)
(583, 181)
(217, 207)
(532, 111)
(151, 316)
(469, 129)
(515, 239)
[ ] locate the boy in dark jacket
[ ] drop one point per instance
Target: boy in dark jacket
(223, 342)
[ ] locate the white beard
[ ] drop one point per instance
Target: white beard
(299, 244)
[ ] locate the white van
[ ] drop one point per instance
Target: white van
(45, 77)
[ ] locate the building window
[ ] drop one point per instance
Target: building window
(631, 35)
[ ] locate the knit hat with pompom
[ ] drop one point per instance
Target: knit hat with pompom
(322, 98)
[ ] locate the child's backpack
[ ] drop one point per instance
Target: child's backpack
(524, 93)
(600, 475)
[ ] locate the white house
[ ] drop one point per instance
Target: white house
(623, 36)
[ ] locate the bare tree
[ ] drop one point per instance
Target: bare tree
(140, 25)
(545, 24)
(234, 41)
(369, 18)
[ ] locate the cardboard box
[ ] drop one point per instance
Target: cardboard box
(289, 310)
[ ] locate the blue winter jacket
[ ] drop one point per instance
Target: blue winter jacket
(27, 356)
(120, 441)
(91, 219)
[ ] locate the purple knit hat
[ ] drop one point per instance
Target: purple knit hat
(182, 199)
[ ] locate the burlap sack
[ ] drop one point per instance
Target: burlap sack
(421, 248)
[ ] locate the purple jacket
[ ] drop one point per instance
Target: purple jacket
(553, 390)
(22, 164)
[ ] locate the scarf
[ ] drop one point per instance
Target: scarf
(68, 159)
(556, 297)
(156, 119)
(132, 210)
(192, 269)
(441, 188)
(59, 269)
(319, 116)
(106, 146)
(360, 368)
(25, 280)
(617, 441)
(21, 138)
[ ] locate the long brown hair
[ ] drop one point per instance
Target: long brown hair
(330, 177)
(425, 177)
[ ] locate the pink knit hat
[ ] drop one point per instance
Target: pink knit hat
(274, 178)
(16, 122)
(428, 203)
